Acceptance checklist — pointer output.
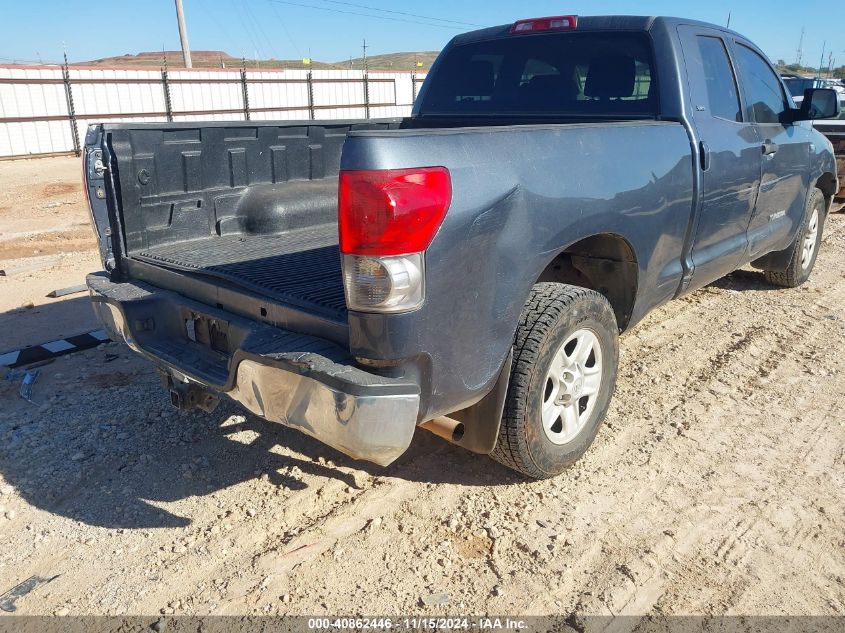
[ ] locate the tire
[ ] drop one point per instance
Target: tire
(554, 316)
(805, 248)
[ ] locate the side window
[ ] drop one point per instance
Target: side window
(722, 96)
(767, 101)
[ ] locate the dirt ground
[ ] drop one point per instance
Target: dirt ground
(717, 485)
(42, 208)
(46, 237)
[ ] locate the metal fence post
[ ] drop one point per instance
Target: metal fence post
(245, 91)
(74, 128)
(168, 104)
(343, 100)
(367, 94)
(311, 97)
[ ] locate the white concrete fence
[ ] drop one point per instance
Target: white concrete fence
(46, 109)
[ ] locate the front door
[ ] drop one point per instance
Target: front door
(730, 156)
(785, 151)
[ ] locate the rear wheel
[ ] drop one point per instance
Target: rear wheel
(562, 378)
(805, 248)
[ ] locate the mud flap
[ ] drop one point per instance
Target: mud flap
(481, 421)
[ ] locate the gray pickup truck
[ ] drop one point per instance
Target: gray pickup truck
(468, 269)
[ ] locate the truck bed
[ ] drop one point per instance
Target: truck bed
(251, 208)
(299, 268)
(248, 206)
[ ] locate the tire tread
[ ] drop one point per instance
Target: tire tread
(794, 276)
(545, 304)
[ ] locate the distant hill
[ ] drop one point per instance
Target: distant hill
(221, 59)
(395, 61)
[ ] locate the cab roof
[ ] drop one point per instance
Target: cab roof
(593, 23)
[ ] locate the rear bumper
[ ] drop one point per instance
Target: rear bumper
(294, 379)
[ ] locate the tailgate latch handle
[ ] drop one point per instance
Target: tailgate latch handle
(98, 166)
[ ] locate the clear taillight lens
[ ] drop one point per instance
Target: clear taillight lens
(384, 284)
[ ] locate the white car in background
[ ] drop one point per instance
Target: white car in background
(797, 85)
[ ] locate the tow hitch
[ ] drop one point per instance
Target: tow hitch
(187, 396)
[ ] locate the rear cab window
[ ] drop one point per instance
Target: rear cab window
(595, 73)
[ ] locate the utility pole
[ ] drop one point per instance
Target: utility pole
(183, 35)
(821, 61)
(800, 47)
(365, 53)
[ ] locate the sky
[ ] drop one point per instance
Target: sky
(333, 30)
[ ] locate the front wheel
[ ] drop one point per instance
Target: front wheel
(805, 248)
(566, 352)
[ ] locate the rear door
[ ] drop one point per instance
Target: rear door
(785, 149)
(730, 155)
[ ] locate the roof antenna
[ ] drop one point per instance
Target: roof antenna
(729, 20)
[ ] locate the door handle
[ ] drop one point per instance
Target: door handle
(769, 148)
(704, 155)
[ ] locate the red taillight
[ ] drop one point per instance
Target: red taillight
(537, 25)
(391, 211)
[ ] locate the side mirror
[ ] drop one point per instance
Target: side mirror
(818, 103)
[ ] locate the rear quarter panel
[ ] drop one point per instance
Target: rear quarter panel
(521, 195)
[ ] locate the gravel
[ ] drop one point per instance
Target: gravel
(716, 489)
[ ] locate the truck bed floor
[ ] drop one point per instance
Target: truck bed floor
(300, 268)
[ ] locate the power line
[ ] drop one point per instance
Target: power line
(247, 29)
(285, 29)
(18, 60)
(260, 30)
(366, 15)
(224, 31)
(411, 15)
